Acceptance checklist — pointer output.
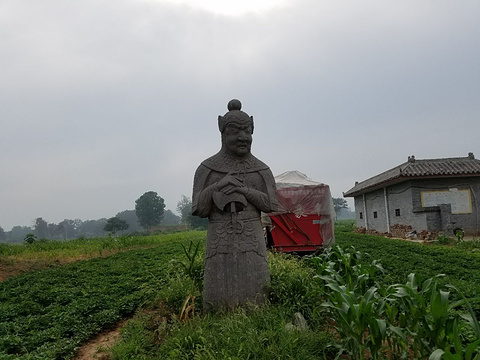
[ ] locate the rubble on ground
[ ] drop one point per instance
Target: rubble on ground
(401, 232)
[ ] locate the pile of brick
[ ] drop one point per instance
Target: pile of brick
(400, 231)
(375, 232)
(360, 230)
(427, 235)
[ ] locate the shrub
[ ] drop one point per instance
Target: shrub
(291, 285)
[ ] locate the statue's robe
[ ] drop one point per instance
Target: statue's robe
(236, 266)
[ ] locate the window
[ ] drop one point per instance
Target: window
(375, 215)
(397, 212)
(361, 215)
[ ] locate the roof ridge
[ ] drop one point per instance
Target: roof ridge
(420, 168)
(446, 159)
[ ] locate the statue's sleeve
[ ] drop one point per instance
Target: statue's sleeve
(264, 201)
(202, 203)
(271, 189)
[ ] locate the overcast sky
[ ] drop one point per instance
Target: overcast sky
(103, 100)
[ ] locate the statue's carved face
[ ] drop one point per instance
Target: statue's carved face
(238, 139)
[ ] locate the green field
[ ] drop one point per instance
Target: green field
(49, 314)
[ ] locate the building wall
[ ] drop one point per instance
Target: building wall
(405, 207)
(399, 197)
(376, 207)
(400, 202)
(441, 218)
(359, 216)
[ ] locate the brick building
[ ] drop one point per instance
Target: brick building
(429, 195)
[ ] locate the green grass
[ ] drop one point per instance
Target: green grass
(263, 333)
(400, 258)
(260, 335)
(471, 245)
(77, 248)
(345, 225)
(266, 334)
(48, 314)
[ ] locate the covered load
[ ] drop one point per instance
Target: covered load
(305, 218)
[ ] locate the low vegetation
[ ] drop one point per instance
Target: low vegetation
(408, 320)
(460, 264)
(367, 298)
(78, 248)
(50, 313)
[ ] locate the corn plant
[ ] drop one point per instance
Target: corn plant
(457, 346)
(347, 267)
(353, 300)
(357, 319)
(412, 320)
(426, 319)
(193, 265)
(193, 269)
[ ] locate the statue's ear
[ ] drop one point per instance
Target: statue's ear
(251, 117)
(220, 122)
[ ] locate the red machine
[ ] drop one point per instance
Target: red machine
(305, 219)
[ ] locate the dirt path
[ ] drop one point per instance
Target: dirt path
(12, 267)
(97, 348)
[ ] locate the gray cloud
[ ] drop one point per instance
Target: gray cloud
(101, 101)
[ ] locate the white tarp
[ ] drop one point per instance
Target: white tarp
(298, 194)
(293, 179)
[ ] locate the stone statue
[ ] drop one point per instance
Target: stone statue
(232, 188)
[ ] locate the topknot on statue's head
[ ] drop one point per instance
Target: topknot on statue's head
(234, 115)
(234, 104)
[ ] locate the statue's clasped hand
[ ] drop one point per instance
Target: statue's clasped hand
(230, 184)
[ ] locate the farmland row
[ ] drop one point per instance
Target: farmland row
(359, 300)
(50, 313)
(400, 258)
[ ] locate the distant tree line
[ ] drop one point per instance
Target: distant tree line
(71, 229)
(184, 207)
(149, 212)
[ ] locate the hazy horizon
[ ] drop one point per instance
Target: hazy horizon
(102, 101)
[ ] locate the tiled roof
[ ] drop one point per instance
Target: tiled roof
(432, 168)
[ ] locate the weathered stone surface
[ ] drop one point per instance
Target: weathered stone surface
(232, 188)
(299, 321)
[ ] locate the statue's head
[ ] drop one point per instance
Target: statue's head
(234, 115)
(237, 129)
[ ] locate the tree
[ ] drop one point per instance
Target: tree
(169, 218)
(92, 228)
(131, 218)
(18, 233)
(41, 228)
(184, 207)
(68, 228)
(115, 224)
(3, 235)
(149, 209)
(30, 238)
(339, 204)
(54, 232)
